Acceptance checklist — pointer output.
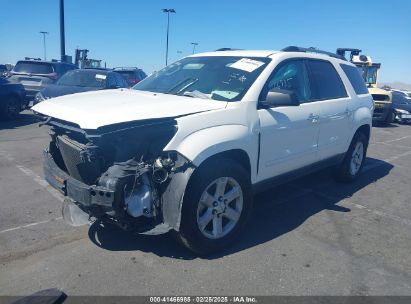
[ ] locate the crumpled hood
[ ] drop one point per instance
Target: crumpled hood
(91, 110)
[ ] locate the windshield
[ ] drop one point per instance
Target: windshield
(220, 78)
(33, 67)
(369, 74)
(83, 78)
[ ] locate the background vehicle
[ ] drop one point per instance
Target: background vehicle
(402, 105)
(35, 75)
(383, 109)
(3, 70)
(190, 144)
(83, 62)
(12, 97)
(131, 75)
(83, 80)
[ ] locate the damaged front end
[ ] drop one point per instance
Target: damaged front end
(118, 174)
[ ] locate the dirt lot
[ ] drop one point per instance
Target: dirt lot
(309, 237)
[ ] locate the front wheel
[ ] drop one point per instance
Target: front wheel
(390, 117)
(354, 159)
(216, 206)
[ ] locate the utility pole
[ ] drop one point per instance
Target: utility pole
(62, 35)
(194, 45)
(44, 43)
(168, 11)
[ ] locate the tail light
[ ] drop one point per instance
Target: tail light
(134, 81)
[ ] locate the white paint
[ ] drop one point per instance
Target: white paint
(291, 137)
(91, 110)
(390, 141)
(31, 225)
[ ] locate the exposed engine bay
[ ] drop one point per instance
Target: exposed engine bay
(119, 173)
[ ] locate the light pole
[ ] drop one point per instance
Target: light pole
(194, 46)
(44, 43)
(62, 35)
(168, 11)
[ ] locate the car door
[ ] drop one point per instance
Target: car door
(288, 134)
(329, 92)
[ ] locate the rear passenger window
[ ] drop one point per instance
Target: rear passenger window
(326, 81)
(355, 78)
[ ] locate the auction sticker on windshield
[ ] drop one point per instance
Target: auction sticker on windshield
(247, 64)
(100, 76)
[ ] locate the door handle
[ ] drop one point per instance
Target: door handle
(313, 118)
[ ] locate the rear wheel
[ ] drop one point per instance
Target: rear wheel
(354, 159)
(216, 206)
(11, 107)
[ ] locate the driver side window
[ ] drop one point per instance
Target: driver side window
(291, 75)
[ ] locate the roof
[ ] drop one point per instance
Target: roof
(116, 69)
(100, 71)
(44, 61)
(308, 53)
(239, 53)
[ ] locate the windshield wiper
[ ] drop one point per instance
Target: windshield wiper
(196, 94)
(190, 81)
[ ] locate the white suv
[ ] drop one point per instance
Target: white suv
(185, 149)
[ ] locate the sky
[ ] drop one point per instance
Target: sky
(133, 32)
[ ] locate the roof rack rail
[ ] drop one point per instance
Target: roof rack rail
(312, 50)
(226, 49)
(126, 68)
(32, 58)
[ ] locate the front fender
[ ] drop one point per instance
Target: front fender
(195, 149)
(202, 144)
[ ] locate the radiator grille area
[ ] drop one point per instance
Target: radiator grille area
(77, 166)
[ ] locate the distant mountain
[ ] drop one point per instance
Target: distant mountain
(396, 85)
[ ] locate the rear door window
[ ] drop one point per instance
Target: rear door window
(355, 78)
(327, 83)
(33, 67)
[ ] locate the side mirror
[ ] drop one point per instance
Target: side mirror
(279, 97)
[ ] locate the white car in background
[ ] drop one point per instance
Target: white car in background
(188, 147)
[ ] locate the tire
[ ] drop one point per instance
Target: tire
(11, 108)
(211, 211)
(354, 159)
(390, 118)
